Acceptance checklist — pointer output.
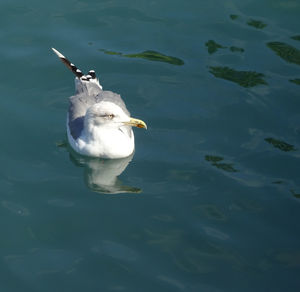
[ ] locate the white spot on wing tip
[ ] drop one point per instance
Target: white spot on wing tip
(58, 53)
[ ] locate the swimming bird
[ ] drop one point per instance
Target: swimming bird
(98, 122)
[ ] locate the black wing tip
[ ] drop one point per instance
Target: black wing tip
(92, 73)
(70, 65)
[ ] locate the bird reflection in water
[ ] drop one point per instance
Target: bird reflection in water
(101, 175)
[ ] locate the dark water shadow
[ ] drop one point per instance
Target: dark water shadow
(101, 175)
(148, 55)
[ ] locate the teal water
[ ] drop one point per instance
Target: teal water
(211, 199)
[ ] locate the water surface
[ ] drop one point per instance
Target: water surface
(210, 200)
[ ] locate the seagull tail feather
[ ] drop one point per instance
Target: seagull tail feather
(70, 65)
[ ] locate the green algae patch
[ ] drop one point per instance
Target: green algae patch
(281, 145)
(110, 52)
(155, 56)
(212, 46)
(285, 51)
(256, 23)
(215, 161)
(296, 195)
(233, 16)
(243, 78)
(212, 158)
(296, 81)
(296, 37)
(277, 182)
(149, 55)
(236, 49)
(225, 166)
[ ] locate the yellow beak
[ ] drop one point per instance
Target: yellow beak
(136, 123)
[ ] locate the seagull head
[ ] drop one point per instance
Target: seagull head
(111, 116)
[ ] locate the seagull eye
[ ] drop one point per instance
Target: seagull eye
(111, 116)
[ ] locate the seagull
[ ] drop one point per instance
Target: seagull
(98, 122)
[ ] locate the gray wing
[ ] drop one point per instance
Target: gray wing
(114, 98)
(79, 104)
